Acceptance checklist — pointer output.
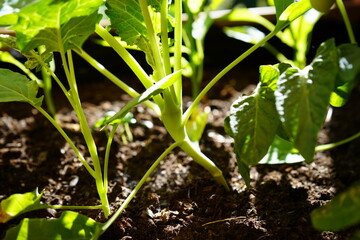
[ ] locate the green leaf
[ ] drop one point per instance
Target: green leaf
(253, 119)
(349, 64)
(70, 225)
(280, 152)
(281, 5)
(292, 12)
(302, 98)
(17, 87)
(341, 212)
(18, 204)
(157, 88)
(8, 10)
(59, 25)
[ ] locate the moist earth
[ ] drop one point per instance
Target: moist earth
(181, 200)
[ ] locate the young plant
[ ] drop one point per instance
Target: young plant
(280, 121)
(62, 27)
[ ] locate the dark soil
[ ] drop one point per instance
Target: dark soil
(181, 200)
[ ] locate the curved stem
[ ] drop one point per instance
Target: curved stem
(107, 153)
(188, 112)
(129, 59)
(114, 79)
(333, 145)
(138, 186)
(345, 17)
(68, 140)
(154, 44)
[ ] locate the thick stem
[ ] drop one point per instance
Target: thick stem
(200, 158)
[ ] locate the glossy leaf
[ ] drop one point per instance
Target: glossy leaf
(59, 25)
(18, 204)
(291, 12)
(280, 152)
(70, 225)
(349, 69)
(127, 19)
(17, 87)
(281, 5)
(302, 98)
(253, 119)
(341, 212)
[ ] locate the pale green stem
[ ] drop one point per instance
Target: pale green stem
(114, 79)
(130, 61)
(138, 186)
(194, 104)
(346, 19)
(68, 140)
(178, 45)
(154, 43)
(86, 131)
(125, 55)
(107, 153)
(333, 145)
(164, 37)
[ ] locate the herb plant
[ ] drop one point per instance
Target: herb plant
(61, 27)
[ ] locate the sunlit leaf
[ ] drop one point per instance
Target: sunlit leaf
(18, 204)
(291, 12)
(280, 152)
(341, 212)
(253, 120)
(59, 25)
(17, 87)
(349, 64)
(70, 225)
(302, 98)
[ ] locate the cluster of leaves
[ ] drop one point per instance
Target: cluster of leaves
(287, 109)
(279, 120)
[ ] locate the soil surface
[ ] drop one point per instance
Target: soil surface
(181, 200)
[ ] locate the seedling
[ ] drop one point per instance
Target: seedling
(61, 27)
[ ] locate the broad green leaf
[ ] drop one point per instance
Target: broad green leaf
(281, 5)
(280, 152)
(59, 25)
(127, 19)
(157, 88)
(292, 12)
(349, 64)
(253, 120)
(70, 225)
(9, 8)
(341, 212)
(302, 98)
(18, 204)
(17, 87)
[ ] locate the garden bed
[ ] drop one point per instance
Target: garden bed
(181, 200)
